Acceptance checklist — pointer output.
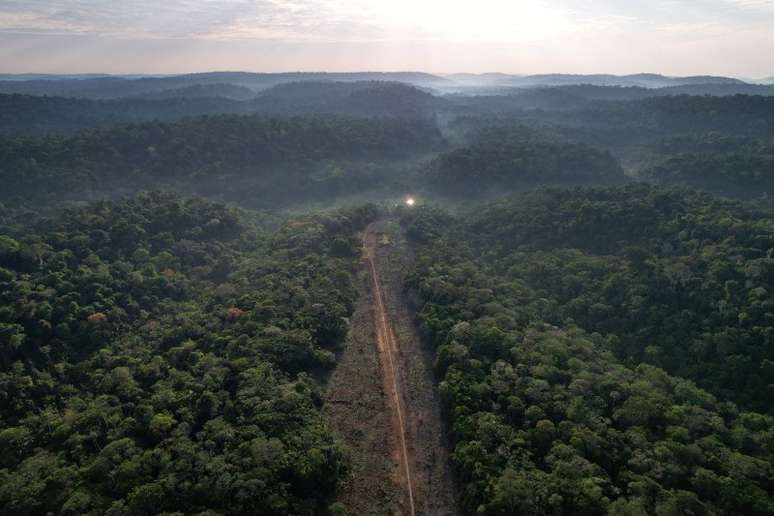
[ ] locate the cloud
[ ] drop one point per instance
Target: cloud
(299, 20)
(357, 20)
(214, 19)
(763, 5)
(509, 35)
(129, 18)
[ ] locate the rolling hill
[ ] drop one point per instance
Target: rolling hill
(106, 87)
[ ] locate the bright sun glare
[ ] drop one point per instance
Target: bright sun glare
(410, 201)
(460, 19)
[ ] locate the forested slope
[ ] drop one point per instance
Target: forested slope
(499, 160)
(158, 355)
(252, 159)
(26, 115)
(720, 144)
(204, 91)
(111, 87)
(727, 165)
(641, 121)
(605, 350)
(569, 328)
(41, 115)
(363, 98)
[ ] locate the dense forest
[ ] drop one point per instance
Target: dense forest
(724, 165)
(202, 91)
(36, 115)
(509, 159)
(112, 87)
(629, 122)
(253, 159)
(587, 261)
(720, 144)
(159, 354)
(26, 115)
(568, 326)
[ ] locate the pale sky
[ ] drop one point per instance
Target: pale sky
(674, 37)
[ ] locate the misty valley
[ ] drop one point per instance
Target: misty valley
(386, 293)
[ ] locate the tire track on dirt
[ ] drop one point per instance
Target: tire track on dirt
(382, 400)
(387, 348)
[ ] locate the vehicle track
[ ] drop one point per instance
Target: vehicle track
(382, 400)
(387, 346)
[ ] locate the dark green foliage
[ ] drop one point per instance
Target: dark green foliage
(253, 159)
(661, 116)
(545, 311)
(33, 115)
(500, 160)
(578, 125)
(603, 351)
(204, 91)
(366, 98)
(726, 165)
(28, 115)
(632, 130)
(157, 355)
(682, 279)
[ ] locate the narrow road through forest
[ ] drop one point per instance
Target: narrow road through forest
(382, 399)
(386, 344)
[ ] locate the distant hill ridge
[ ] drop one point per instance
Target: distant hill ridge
(643, 80)
(104, 87)
(97, 86)
(615, 93)
(30, 115)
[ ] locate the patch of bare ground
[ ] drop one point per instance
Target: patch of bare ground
(433, 482)
(356, 409)
(382, 400)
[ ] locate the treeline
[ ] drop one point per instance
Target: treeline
(570, 327)
(253, 159)
(158, 355)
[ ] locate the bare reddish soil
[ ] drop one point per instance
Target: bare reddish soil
(382, 401)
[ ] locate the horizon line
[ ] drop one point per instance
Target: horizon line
(397, 71)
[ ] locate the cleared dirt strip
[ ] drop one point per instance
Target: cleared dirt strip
(387, 348)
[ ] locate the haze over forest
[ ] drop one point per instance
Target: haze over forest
(531, 276)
